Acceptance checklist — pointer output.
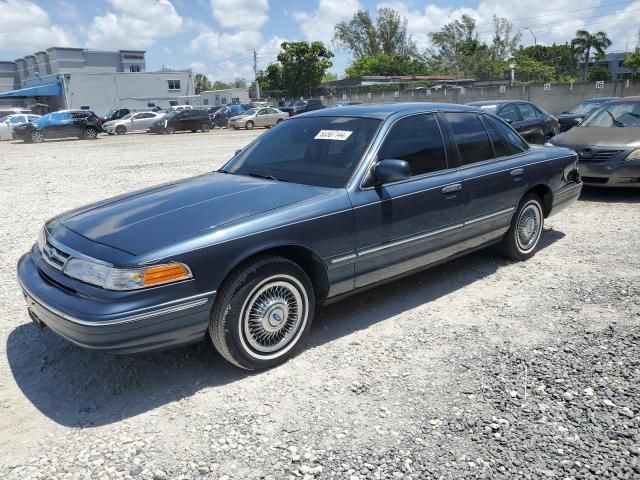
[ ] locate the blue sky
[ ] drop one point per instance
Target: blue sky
(218, 37)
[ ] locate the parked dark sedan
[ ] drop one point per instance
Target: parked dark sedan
(222, 115)
(174, 121)
(573, 117)
(608, 144)
(324, 205)
(302, 106)
(529, 120)
(62, 124)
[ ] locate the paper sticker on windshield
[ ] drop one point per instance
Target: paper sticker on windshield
(341, 135)
(488, 107)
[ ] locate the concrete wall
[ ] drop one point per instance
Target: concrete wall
(104, 92)
(559, 98)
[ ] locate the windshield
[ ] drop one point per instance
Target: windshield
(251, 111)
(299, 103)
(171, 113)
(618, 114)
(320, 151)
(586, 107)
(127, 116)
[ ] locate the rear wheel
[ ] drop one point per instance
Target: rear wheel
(205, 127)
(89, 133)
(263, 313)
(36, 136)
(249, 125)
(121, 130)
(523, 236)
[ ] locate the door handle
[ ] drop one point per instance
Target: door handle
(449, 189)
(517, 172)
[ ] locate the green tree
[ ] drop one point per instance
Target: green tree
(457, 47)
(584, 43)
(329, 77)
(599, 72)
(303, 66)
(632, 62)
(238, 82)
(218, 85)
(271, 79)
(561, 57)
(202, 83)
(504, 39)
(384, 65)
(528, 70)
(365, 38)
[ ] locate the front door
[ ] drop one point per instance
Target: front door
(409, 224)
(532, 125)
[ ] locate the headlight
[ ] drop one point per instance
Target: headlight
(110, 278)
(634, 155)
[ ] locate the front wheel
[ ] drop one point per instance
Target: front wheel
(249, 125)
(121, 130)
(89, 133)
(36, 136)
(171, 130)
(205, 127)
(527, 225)
(263, 313)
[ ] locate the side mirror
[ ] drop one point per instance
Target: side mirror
(508, 120)
(391, 170)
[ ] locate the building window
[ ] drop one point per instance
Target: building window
(134, 68)
(224, 100)
(85, 107)
(174, 84)
(235, 100)
(206, 101)
(151, 104)
(173, 103)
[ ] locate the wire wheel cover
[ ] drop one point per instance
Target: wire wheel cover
(529, 227)
(273, 315)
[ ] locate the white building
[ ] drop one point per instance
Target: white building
(77, 78)
(216, 98)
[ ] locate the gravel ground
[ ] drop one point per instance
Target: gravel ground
(479, 368)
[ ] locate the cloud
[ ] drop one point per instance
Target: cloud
(319, 24)
(134, 24)
(558, 24)
(26, 26)
(240, 13)
(219, 46)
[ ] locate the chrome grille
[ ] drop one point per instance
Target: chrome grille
(590, 155)
(54, 255)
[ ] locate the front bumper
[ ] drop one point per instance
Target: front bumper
(615, 173)
(162, 326)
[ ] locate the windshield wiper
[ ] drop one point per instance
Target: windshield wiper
(224, 171)
(616, 122)
(266, 177)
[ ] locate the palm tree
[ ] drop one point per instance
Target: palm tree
(584, 42)
(202, 83)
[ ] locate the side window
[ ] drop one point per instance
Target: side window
(17, 120)
(513, 141)
(509, 113)
(499, 147)
(146, 115)
(527, 111)
(471, 137)
(417, 140)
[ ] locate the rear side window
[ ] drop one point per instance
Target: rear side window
(527, 111)
(509, 113)
(499, 146)
(471, 137)
(418, 141)
(513, 142)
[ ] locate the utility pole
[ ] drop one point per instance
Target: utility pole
(535, 40)
(255, 72)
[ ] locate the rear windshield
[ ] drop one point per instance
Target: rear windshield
(320, 151)
(586, 107)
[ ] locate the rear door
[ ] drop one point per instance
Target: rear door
(510, 114)
(532, 129)
(408, 224)
(144, 120)
(492, 171)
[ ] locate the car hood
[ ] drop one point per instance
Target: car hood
(599, 136)
(141, 221)
(571, 116)
(238, 117)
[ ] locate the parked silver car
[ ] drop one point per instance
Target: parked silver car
(139, 121)
(10, 121)
(258, 117)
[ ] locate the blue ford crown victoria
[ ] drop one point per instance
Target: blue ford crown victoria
(321, 206)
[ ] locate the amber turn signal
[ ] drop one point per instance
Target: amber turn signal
(159, 274)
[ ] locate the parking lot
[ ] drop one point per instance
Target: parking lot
(479, 368)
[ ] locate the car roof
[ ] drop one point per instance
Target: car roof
(382, 111)
(496, 102)
(598, 98)
(626, 99)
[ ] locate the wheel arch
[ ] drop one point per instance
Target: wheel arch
(544, 192)
(302, 256)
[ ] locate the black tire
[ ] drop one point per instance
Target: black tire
(279, 121)
(238, 339)
(90, 133)
(121, 129)
(36, 136)
(110, 133)
(249, 125)
(170, 130)
(526, 229)
(205, 127)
